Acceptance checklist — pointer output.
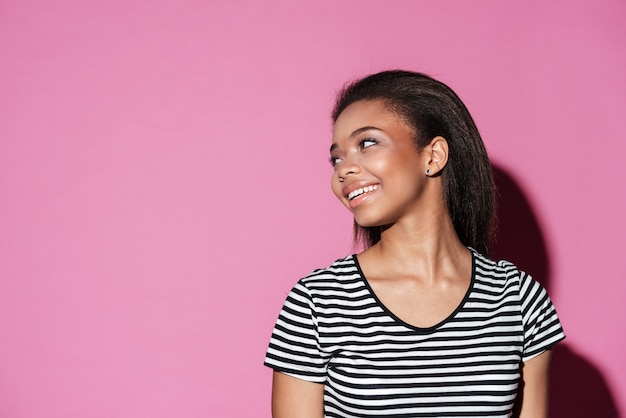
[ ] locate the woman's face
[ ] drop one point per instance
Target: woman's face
(379, 174)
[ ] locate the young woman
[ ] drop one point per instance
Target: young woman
(421, 323)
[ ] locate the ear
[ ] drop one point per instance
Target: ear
(437, 155)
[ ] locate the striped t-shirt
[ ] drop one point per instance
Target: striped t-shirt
(333, 330)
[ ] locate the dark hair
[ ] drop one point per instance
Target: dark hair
(432, 109)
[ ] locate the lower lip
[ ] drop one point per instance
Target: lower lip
(359, 200)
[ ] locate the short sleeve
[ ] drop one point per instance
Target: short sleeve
(294, 348)
(542, 328)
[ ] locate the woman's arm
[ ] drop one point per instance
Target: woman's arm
(533, 398)
(296, 398)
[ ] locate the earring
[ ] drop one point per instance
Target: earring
(428, 172)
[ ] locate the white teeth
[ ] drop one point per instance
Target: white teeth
(362, 190)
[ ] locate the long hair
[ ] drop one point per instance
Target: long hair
(432, 109)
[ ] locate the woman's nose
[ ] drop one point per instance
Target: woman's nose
(349, 167)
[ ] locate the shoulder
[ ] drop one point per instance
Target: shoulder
(339, 283)
(504, 277)
(339, 272)
(503, 273)
(497, 272)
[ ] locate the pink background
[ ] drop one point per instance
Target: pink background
(164, 181)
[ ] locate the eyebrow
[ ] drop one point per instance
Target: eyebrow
(356, 133)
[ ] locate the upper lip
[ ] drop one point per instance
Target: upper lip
(349, 188)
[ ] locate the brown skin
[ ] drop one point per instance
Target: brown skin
(419, 269)
(296, 398)
(533, 395)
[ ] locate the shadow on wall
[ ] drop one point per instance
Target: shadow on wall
(577, 387)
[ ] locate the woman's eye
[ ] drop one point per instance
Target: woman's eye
(367, 142)
(334, 161)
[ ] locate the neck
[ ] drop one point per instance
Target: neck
(427, 246)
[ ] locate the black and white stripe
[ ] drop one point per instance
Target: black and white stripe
(333, 330)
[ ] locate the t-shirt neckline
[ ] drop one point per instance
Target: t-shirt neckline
(421, 330)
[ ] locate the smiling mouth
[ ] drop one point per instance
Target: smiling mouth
(358, 192)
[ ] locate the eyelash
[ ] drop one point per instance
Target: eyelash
(364, 140)
(334, 160)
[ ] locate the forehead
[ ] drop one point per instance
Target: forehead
(370, 113)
